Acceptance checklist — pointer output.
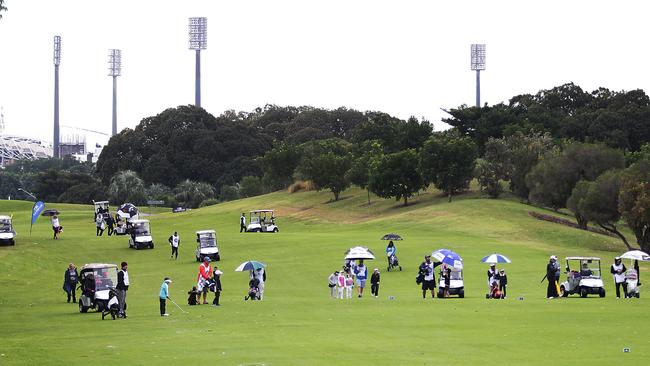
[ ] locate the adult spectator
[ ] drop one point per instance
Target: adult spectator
(70, 279)
(426, 270)
(242, 223)
(390, 251)
(618, 270)
(503, 282)
(164, 295)
(260, 275)
(174, 242)
(110, 225)
(446, 276)
(551, 268)
(491, 276)
(100, 224)
(361, 274)
(56, 226)
(584, 270)
(122, 287)
(205, 272)
(332, 280)
(374, 282)
(216, 279)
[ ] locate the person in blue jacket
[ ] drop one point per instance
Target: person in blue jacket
(390, 251)
(361, 273)
(164, 295)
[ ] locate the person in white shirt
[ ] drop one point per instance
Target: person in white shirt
(174, 241)
(260, 275)
(332, 283)
(56, 226)
(340, 284)
(618, 270)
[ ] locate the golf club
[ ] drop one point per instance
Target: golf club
(181, 309)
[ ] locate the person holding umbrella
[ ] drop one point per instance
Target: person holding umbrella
(390, 251)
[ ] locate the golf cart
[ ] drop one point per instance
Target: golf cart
(95, 281)
(262, 221)
(140, 235)
(7, 233)
(584, 278)
(102, 207)
(456, 285)
(206, 245)
(126, 214)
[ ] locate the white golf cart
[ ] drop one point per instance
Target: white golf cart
(206, 245)
(456, 284)
(262, 221)
(583, 278)
(140, 235)
(96, 280)
(101, 207)
(7, 233)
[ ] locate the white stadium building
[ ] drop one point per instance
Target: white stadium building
(14, 148)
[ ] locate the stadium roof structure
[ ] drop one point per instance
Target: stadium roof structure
(23, 148)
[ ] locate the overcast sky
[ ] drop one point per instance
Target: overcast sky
(401, 57)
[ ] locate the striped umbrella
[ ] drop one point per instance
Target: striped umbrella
(495, 258)
(448, 257)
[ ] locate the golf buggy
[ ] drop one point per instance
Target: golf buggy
(583, 278)
(7, 233)
(262, 221)
(96, 280)
(140, 235)
(126, 214)
(456, 285)
(206, 245)
(101, 207)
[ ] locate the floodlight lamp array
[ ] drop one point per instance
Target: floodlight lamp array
(198, 33)
(478, 57)
(114, 62)
(57, 50)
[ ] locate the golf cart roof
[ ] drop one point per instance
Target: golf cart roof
(140, 221)
(100, 202)
(255, 211)
(98, 265)
(582, 258)
(206, 232)
(5, 217)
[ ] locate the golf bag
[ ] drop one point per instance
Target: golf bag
(253, 290)
(632, 279)
(393, 263)
(112, 307)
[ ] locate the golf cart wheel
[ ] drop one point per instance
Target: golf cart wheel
(198, 259)
(601, 292)
(217, 257)
(638, 294)
(151, 245)
(400, 268)
(461, 294)
(275, 230)
(82, 308)
(583, 292)
(388, 269)
(563, 292)
(12, 242)
(440, 295)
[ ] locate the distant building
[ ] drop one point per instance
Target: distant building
(14, 148)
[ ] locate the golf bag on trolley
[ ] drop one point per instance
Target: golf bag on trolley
(632, 280)
(253, 290)
(393, 262)
(112, 307)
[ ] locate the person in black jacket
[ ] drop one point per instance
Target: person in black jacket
(374, 283)
(551, 268)
(503, 282)
(70, 279)
(426, 270)
(217, 286)
(122, 288)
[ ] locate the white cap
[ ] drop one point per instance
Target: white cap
(553, 257)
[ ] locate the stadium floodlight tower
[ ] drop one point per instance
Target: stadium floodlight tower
(478, 64)
(57, 61)
(198, 41)
(114, 70)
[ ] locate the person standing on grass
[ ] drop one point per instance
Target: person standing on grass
(110, 225)
(446, 275)
(503, 282)
(56, 227)
(205, 272)
(551, 268)
(361, 274)
(217, 286)
(242, 223)
(260, 275)
(122, 287)
(390, 251)
(491, 276)
(374, 283)
(426, 269)
(349, 283)
(618, 270)
(332, 283)
(174, 242)
(100, 224)
(70, 279)
(340, 284)
(164, 295)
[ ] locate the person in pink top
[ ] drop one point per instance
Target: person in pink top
(340, 284)
(349, 283)
(205, 272)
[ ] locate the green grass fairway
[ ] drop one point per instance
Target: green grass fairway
(297, 323)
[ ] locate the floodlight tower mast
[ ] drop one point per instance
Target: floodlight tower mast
(478, 64)
(198, 41)
(114, 70)
(57, 61)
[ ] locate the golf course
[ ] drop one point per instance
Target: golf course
(298, 323)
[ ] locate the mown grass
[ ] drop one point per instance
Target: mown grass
(297, 323)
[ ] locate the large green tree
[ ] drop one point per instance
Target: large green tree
(447, 160)
(396, 175)
(279, 164)
(190, 193)
(634, 201)
(126, 186)
(325, 163)
(363, 154)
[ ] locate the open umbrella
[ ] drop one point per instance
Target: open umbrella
(448, 257)
(250, 265)
(391, 237)
(636, 255)
(359, 252)
(50, 212)
(495, 258)
(127, 210)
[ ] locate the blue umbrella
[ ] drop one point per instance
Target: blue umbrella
(448, 257)
(495, 258)
(250, 265)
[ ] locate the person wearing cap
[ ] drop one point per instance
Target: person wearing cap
(70, 279)
(205, 272)
(551, 268)
(491, 276)
(618, 270)
(242, 223)
(503, 282)
(361, 275)
(164, 295)
(374, 282)
(174, 242)
(426, 269)
(122, 287)
(331, 282)
(260, 275)
(216, 278)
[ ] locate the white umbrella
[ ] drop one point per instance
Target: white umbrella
(359, 253)
(636, 255)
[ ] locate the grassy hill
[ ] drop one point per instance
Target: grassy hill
(297, 323)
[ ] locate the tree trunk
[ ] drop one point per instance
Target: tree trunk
(612, 229)
(582, 222)
(336, 194)
(406, 200)
(449, 196)
(367, 190)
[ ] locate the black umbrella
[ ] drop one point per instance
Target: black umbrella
(391, 237)
(127, 210)
(50, 212)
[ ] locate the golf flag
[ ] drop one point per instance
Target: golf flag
(36, 212)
